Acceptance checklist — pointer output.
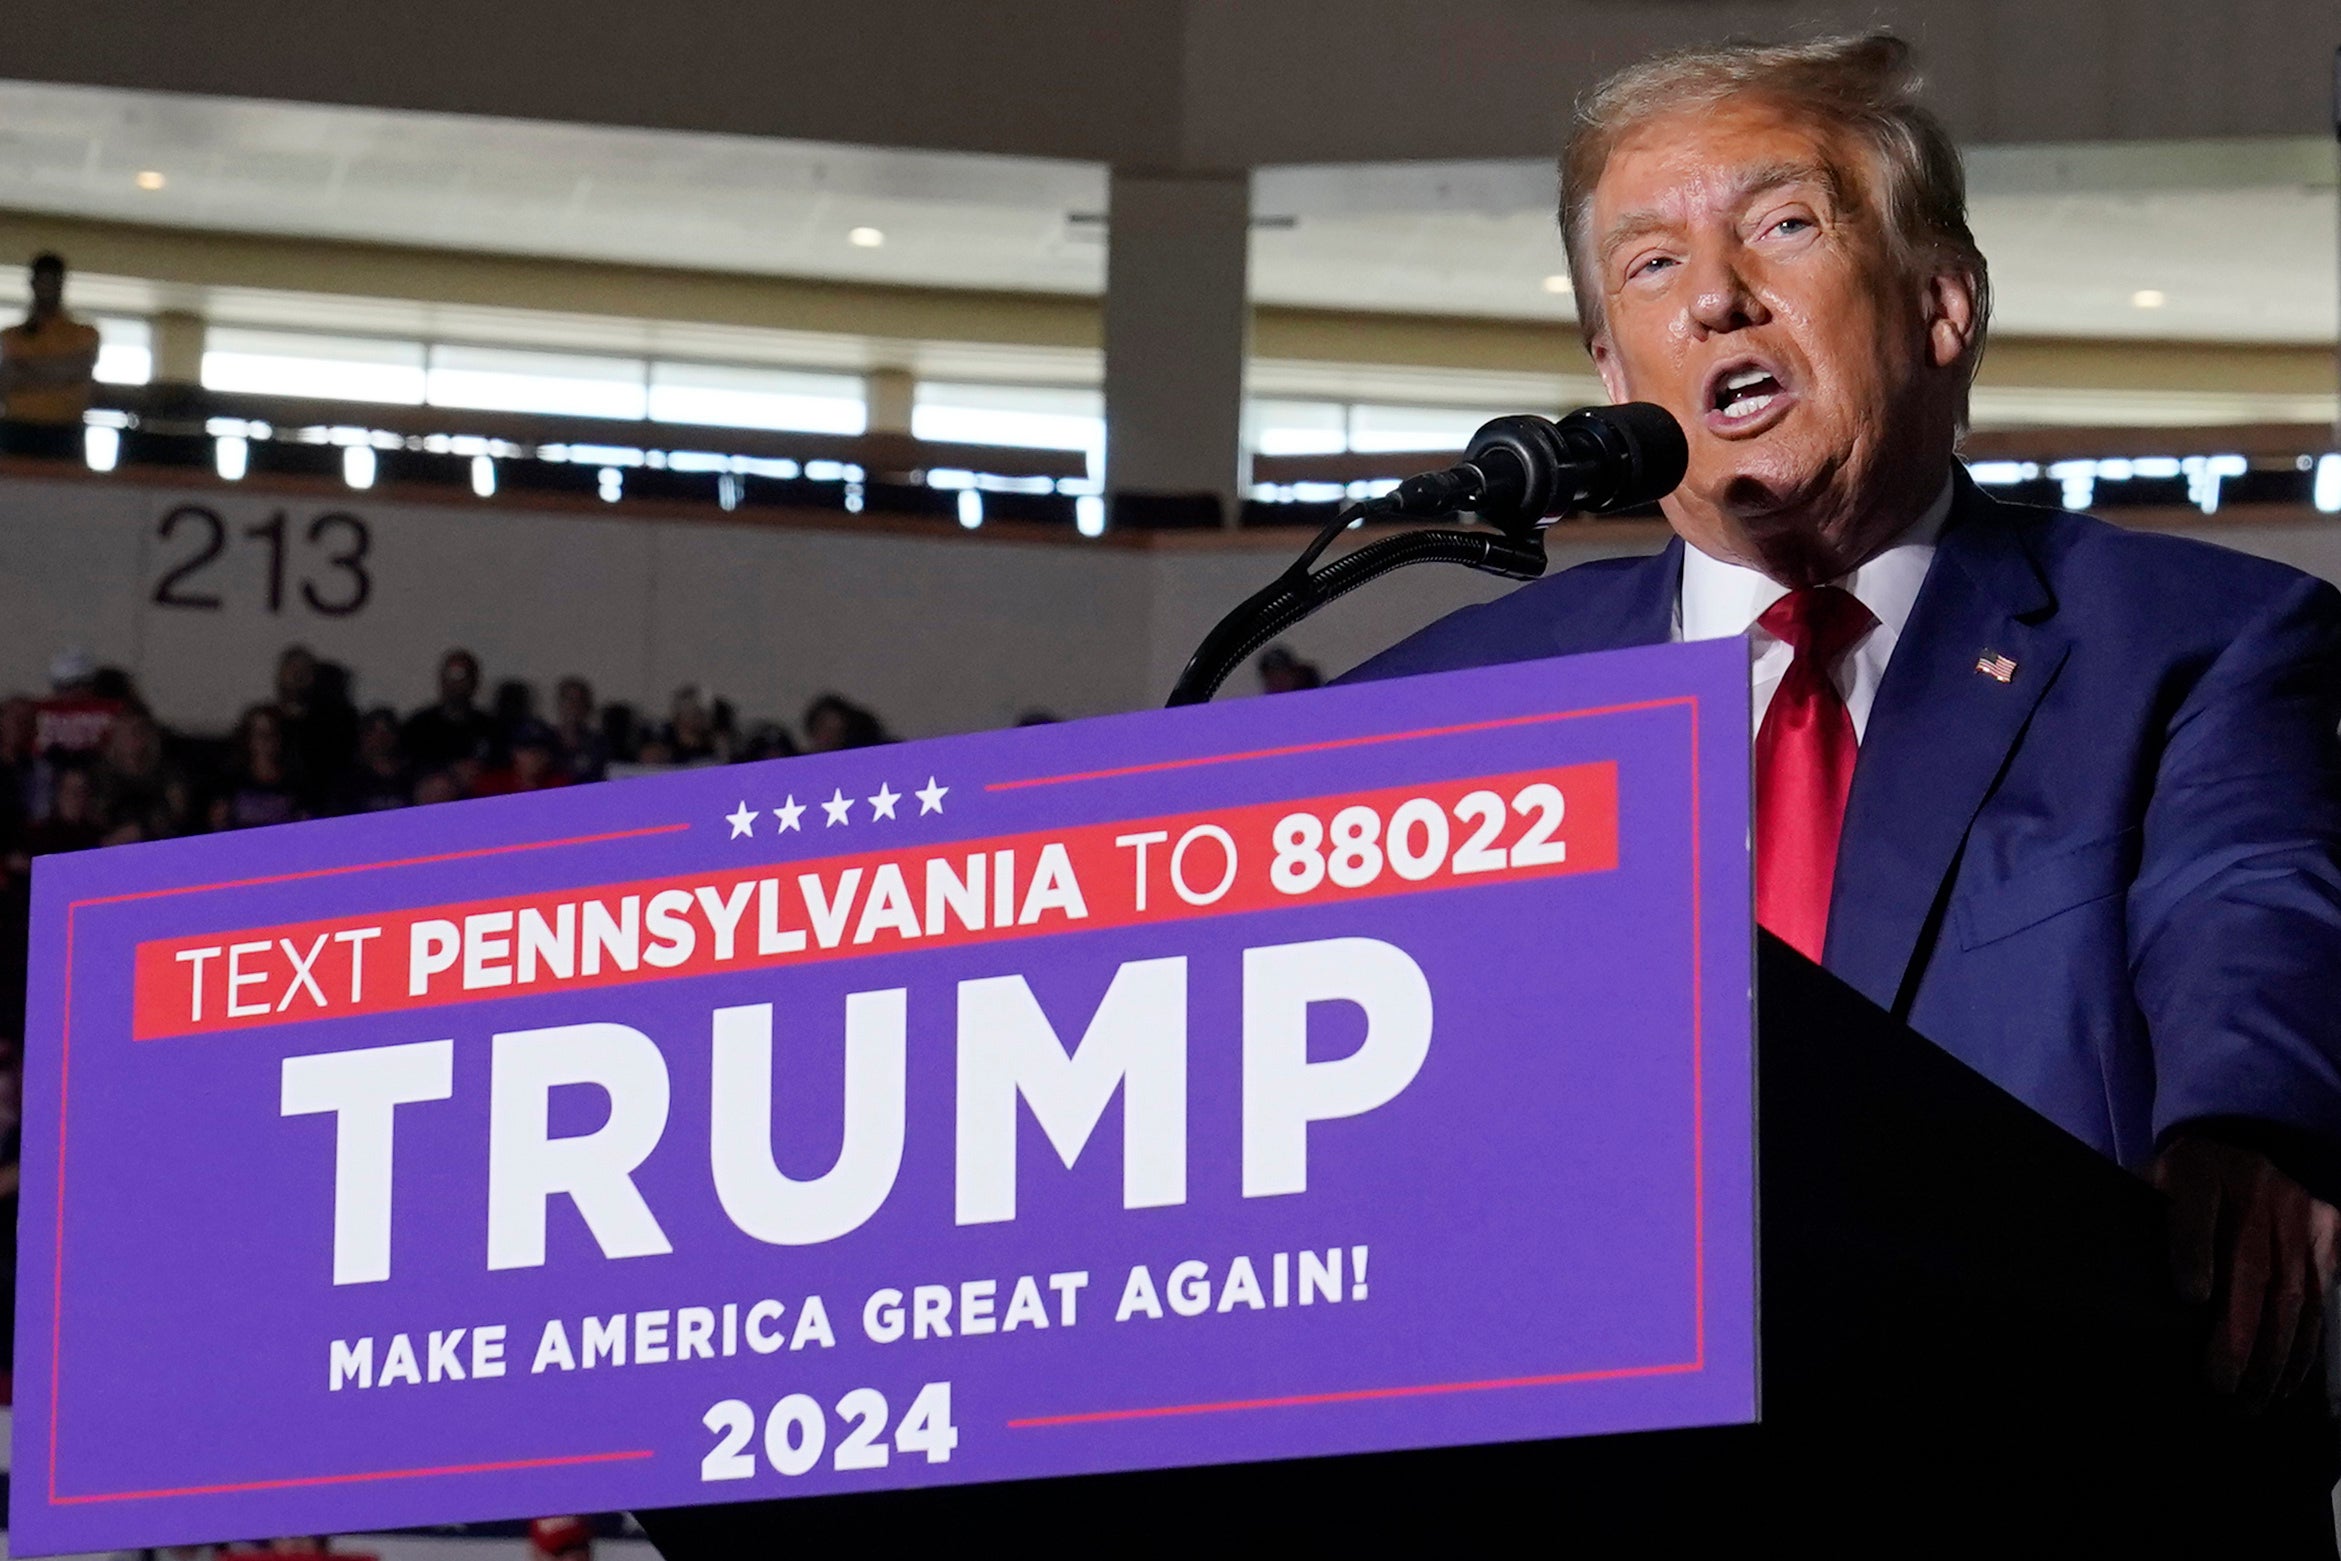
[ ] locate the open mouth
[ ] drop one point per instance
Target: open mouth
(1744, 394)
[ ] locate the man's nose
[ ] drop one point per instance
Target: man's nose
(1721, 299)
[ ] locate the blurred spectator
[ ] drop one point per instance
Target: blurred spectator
(560, 1539)
(690, 735)
(834, 723)
(140, 794)
(11, 1143)
(78, 712)
(1038, 717)
(437, 786)
(303, 1545)
(455, 733)
(723, 720)
(379, 780)
(320, 728)
(512, 707)
(585, 751)
(534, 763)
(73, 822)
(260, 786)
(24, 789)
(767, 740)
(621, 732)
(48, 363)
(113, 683)
(1282, 672)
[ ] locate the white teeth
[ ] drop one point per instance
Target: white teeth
(1744, 378)
(1747, 408)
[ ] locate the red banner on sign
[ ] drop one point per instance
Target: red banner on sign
(1530, 823)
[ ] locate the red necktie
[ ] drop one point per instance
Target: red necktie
(1804, 766)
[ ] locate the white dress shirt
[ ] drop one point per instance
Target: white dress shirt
(1719, 600)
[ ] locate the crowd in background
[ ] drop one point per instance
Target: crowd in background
(89, 764)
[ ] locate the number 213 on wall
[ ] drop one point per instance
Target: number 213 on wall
(328, 562)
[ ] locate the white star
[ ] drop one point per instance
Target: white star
(742, 822)
(882, 805)
(839, 807)
(931, 797)
(788, 813)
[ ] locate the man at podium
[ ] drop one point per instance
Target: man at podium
(2063, 797)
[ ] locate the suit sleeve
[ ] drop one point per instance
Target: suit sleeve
(2235, 914)
(1444, 646)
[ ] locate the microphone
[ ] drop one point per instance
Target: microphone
(1522, 473)
(1517, 474)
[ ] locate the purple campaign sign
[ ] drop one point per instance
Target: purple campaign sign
(1358, 1070)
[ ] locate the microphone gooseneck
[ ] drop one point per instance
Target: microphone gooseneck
(1518, 474)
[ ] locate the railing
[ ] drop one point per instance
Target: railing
(2288, 470)
(449, 452)
(2257, 468)
(894, 456)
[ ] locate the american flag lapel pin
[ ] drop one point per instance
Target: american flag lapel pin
(1993, 665)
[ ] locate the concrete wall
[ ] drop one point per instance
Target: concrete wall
(939, 634)
(1051, 78)
(1186, 84)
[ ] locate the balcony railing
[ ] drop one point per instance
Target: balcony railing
(2150, 474)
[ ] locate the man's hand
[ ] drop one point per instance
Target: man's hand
(2252, 1240)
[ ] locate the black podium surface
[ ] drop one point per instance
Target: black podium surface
(1968, 1338)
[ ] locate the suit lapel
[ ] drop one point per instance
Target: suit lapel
(1640, 611)
(1938, 739)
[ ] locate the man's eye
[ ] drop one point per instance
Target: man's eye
(1792, 224)
(1645, 267)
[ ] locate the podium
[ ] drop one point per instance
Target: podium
(1363, 1115)
(1967, 1337)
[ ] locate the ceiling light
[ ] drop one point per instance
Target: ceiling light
(150, 179)
(2148, 298)
(1559, 283)
(865, 238)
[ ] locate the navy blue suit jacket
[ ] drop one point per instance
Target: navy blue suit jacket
(2111, 884)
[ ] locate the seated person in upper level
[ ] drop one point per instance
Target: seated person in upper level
(48, 363)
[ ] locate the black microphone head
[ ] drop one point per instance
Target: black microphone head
(1595, 459)
(1644, 449)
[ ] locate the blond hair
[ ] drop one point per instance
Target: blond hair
(1865, 87)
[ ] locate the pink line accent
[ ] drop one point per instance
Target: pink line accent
(351, 1479)
(368, 867)
(64, 1069)
(1335, 743)
(1353, 1395)
(1698, 1063)
(57, 1293)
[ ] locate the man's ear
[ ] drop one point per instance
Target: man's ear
(1613, 373)
(1951, 317)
